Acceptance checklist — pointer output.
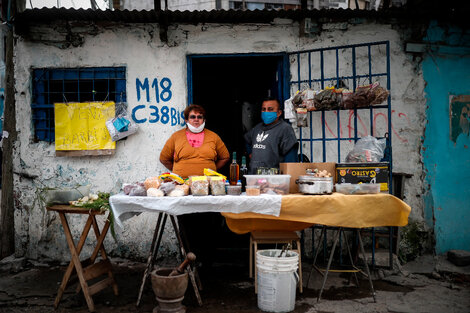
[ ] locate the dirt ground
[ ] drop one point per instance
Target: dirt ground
(227, 288)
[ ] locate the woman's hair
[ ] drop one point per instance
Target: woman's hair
(196, 108)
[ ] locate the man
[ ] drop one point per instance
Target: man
(271, 141)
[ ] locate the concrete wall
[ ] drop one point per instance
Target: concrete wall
(446, 158)
(39, 233)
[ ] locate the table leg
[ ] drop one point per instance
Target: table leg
(76, 261)
(70, 268)
(329, 263)
(365, 263)
(153, 250)
(316, 253)
(192, 274)
(350, 260)
(100, 246)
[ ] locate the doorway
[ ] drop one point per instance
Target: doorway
(231, 89)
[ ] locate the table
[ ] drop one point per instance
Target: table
(266, 212)
(124, 207)
(302, 211)
(343, 211)
(87, 269)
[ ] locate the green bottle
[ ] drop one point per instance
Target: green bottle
(243, 172)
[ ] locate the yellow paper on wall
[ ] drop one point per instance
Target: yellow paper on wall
(81, 125)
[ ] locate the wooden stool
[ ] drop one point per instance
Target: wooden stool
(273, 237)
(87, 269)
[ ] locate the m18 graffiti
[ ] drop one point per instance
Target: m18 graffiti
(161, 91)
(164, 94)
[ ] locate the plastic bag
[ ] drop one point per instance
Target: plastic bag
(137, 189)
(302, 120)
(167, 187)
(367, 150)
(377, 94)
(346, 99)
(122, 124)
(327, 100)
(199, 186)
(217, 186)
(289, 113)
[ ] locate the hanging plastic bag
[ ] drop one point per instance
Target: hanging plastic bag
(377, 94)
(302, 120)
(121, 125)
(289, 113)
(367, 150)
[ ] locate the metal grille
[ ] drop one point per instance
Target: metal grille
(332, 133)
(72, 85)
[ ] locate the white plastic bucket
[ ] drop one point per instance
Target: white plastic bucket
(277, 280)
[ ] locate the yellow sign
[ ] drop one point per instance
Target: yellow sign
(81, 126)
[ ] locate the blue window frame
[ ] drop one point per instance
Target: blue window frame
(72, 85)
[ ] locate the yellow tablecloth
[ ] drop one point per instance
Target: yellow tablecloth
(302, 211)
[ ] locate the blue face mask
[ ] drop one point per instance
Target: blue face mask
(268, 117)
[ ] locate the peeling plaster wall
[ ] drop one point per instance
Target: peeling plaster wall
(138, 48)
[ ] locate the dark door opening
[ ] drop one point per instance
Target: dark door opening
(231, 89)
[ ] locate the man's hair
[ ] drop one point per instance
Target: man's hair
(196, 108)
(272, 99)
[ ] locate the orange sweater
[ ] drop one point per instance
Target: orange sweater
(189, 161)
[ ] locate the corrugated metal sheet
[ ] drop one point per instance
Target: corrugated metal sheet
(448, 13)
(192, 17)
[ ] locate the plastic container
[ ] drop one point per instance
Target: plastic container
(252, 190)
(65, 195)
(357, 189)
(234, 190)
(270, 184)
(309, 184)
(277, 280)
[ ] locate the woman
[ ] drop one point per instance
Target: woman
(186, 153)
(190, 150)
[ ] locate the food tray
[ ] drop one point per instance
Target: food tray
(270, 184)
(309, 184)
(357, 189)
(234, 190)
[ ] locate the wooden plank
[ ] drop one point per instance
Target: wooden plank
(65, 208)
(97, 269)
(77, 263)
(7, 206)
(108, 281)
(79, 153)
(70, 268)
(273, 236)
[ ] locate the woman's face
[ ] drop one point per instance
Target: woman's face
(195, 119)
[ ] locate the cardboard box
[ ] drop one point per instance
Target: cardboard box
(355, 173)
(298, 169)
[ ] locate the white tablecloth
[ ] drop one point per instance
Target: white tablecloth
(125, 207)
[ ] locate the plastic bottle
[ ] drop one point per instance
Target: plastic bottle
(243, 172)
(234, 170)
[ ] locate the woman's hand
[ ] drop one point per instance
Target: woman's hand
(221, 162)
(167, 163)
